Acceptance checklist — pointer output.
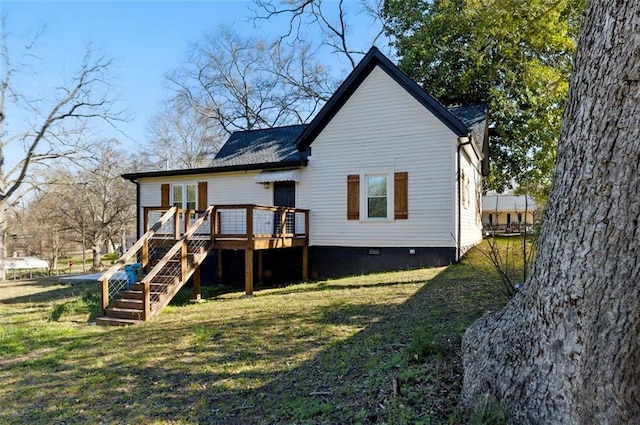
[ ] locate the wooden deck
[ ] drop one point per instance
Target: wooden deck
(176, 242)
(256, 228)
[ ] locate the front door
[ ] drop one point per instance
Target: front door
(284, 195)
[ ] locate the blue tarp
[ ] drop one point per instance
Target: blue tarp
(132, 271)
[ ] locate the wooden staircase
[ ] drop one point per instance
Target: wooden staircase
(177, 260)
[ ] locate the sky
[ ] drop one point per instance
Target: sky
(146, 40)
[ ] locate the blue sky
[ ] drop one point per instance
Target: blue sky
(146, 39)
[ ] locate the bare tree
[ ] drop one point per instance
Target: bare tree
(180, 137)
(565, 349)
(54, 125)
(33, 229)
(330, 18)
(243, 83)
(94, 204)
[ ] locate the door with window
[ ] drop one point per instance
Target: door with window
(184, 196)
(284, 195)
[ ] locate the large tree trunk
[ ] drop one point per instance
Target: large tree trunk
(566, 349)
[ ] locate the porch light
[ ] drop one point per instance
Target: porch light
(265, 185)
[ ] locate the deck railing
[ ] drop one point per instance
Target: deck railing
(175, 265)
(115, 280)
(246, 224)
(161, 224)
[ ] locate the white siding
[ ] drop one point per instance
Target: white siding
(230, 188)
(382, 128)
(471, 201)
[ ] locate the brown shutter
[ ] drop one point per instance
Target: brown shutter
(164, 195)
(401, 195)
(353, 197)
(203, 204)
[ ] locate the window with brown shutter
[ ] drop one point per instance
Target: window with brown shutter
(401, 195)
(202, 196)
(164, 195)
(353, 197)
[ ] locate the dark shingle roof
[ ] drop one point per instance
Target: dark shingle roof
(474, 117)
(270, 145)
(266, 149)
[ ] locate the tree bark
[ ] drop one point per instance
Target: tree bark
(566, 349)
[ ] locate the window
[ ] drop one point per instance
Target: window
(184, 196)
(465, 183)
(377, 196)
(463, 188)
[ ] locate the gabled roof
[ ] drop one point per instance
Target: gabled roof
(508, 203)
(285, 147)
(372, 59)
(269, 145)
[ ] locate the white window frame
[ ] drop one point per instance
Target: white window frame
(184, 194)
(364, 195)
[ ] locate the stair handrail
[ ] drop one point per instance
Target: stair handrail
(180, 244)
(131, 252)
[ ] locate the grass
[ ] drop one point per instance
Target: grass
(382, 348)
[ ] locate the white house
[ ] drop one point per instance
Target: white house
(508, 213)
(391, 178)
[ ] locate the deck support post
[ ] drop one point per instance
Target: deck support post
(183, 262)
(305, 248)
(176, 224)
(260, 270)
(145, 254)
(219, 271)
(248, 272)
(305, 263)
(105, 294)
(197, 295)
(146, 300)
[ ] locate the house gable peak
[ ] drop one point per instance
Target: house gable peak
(372, 59)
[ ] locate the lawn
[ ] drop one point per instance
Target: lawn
(381, 348)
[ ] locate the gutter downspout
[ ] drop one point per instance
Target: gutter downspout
(134, 180)
(138, 222)
(462, 141)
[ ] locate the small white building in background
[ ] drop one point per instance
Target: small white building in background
(508, 213)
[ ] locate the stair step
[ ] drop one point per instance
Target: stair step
(154, 286)
(132, 295)
(129, 303)
(115, 321)
(164, 280)
(124, 313)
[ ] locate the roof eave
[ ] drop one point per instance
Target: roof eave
(214, 170)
